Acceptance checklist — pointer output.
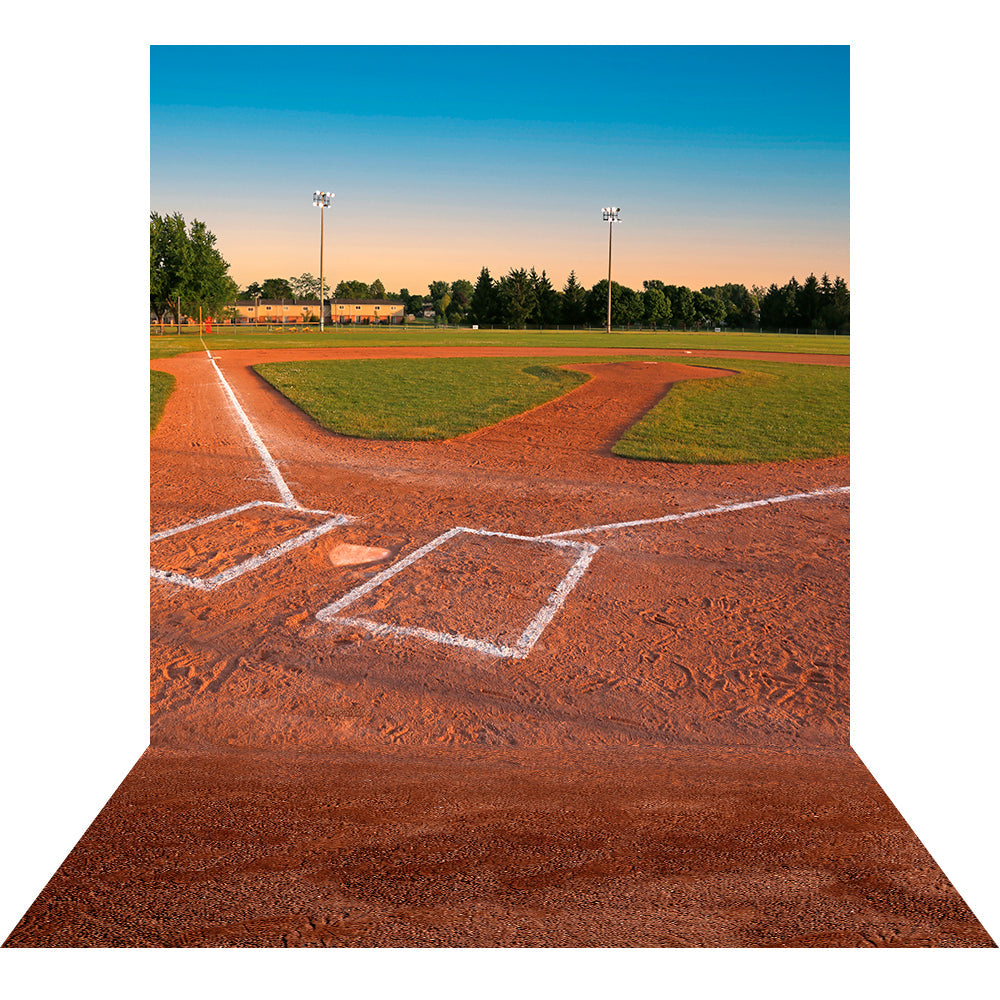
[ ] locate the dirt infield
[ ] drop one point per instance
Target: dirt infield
(342, 754)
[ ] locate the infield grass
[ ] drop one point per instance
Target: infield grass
(767, 412)
(416, 399)
(160, 386)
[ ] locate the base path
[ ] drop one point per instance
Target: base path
(665, 764)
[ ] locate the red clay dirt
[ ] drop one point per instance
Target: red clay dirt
(669, 765)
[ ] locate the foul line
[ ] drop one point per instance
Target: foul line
(700, 513)
(270, 464)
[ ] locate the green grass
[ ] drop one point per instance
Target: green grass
(172, 344)
(161, 385)
(417, 399)
(768, 412)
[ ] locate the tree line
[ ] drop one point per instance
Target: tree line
(187, 272)
(523, 297)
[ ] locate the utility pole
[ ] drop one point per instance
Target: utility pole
(610, 217)
(320, 200)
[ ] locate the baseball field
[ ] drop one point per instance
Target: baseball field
(526, 640)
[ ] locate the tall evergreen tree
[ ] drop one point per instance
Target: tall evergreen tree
(574, 301)
(482, 309)
(516, 297)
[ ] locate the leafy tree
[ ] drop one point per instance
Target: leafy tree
(276, 288)
(709, 310)
(740, 304)
(351, 290)
(169, 263)
(186, 270)
(252, 290)
(305, 288)
(412, 304)
(626, 304)
(461, 298)
(655, 307)
(790, 303)
(682, 309)
(440, 291)
(574, 301)
(376, 290)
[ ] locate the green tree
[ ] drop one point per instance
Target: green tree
(169, 264)
(412, 304)
(482, 305)
(549, 305)
(351, 290)
(574, 301)
(681, 305)
(186, 271)
(461, 299)
(809, 302)
(305, 288)
(709, 310)
(655, 307)
(626, 304)
(440, 292)
(276, 288)
(376, 290)
(516, 298)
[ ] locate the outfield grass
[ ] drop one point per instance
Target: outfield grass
(767, 412)
(160, 386)
(417, 399)
(170, 345)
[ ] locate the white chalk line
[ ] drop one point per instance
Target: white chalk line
(558, 597)
(528, 637)
(234, 510)
(288, 503)
(269, 463)
(329, 613)
(254, 562)
(722, 509)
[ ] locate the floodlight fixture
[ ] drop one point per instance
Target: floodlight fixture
(321, 200)
(611, 215)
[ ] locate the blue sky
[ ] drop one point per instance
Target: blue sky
(730, 163)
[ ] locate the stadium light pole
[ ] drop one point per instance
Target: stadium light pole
(321, 199)
(610, 217)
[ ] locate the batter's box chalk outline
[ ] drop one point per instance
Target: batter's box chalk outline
(528, 638)
(254, 562)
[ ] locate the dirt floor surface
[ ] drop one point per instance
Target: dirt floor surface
(339, 757)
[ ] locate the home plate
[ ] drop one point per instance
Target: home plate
(356, 555)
